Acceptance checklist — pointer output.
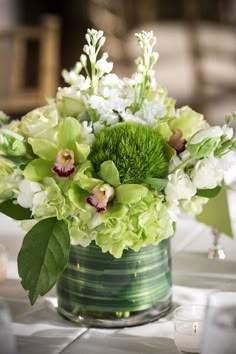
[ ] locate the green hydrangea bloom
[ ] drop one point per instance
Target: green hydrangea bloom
(124, 226)
(6, 169)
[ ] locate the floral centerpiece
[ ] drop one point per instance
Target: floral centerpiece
(109, 161)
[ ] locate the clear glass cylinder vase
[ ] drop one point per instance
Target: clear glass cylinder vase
(99, 290)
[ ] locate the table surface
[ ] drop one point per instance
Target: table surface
(40, 329)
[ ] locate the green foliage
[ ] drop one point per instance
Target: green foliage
(138, 151)
(209, 193)
(14, 211)
(157, 183)
(43, 256)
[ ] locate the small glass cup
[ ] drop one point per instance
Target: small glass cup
(7, 338)
(220, 325)
(3, 262)
(188, 327)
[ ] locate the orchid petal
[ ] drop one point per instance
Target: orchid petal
(68, 133)
(130, 193)
(109, 173)
(100, 197)
(78, 196)
(81, 152)
(37, 170)
(43, 148)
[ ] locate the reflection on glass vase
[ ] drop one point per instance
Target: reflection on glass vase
(99, 290)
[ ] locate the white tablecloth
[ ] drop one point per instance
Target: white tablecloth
(40, 329)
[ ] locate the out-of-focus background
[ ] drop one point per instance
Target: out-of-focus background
(196, 40)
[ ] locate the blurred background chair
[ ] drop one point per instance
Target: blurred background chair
(213, 47)
(32, 54)
(195, 40)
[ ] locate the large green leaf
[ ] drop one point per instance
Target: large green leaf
(15, 211)
(43, 256)
(217, 213)
(209, 193)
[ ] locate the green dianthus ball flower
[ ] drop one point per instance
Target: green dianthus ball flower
(138, 152)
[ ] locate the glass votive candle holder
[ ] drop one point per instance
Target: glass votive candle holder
(3, 262)
(188, 327)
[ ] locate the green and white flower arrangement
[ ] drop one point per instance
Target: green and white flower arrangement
(109, 160)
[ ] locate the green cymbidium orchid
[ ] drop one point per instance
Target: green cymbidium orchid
(60, 157)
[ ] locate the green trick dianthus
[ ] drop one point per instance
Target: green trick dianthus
(138, 151)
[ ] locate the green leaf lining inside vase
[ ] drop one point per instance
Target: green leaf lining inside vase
(43, 256)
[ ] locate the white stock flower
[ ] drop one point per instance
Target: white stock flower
(225, 162)
(106, 109)
(193, 206)
(212, 132)
(103, 66)
(151, 111)
(87, 132)
(228, 132)
(185, 155)
(206, 175)
(98, 126)
(110, 86)
(127, 116)
(179, 187)
(175, 162)
(83, 83)
(101, 105)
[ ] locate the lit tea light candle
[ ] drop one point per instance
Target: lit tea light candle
(188, 322)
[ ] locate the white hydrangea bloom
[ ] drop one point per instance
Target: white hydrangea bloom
(206, 175)
(179, 186)
(27, 190)
(38, 199)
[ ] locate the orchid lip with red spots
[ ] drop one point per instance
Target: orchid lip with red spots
(100, 197)
(64, 165)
